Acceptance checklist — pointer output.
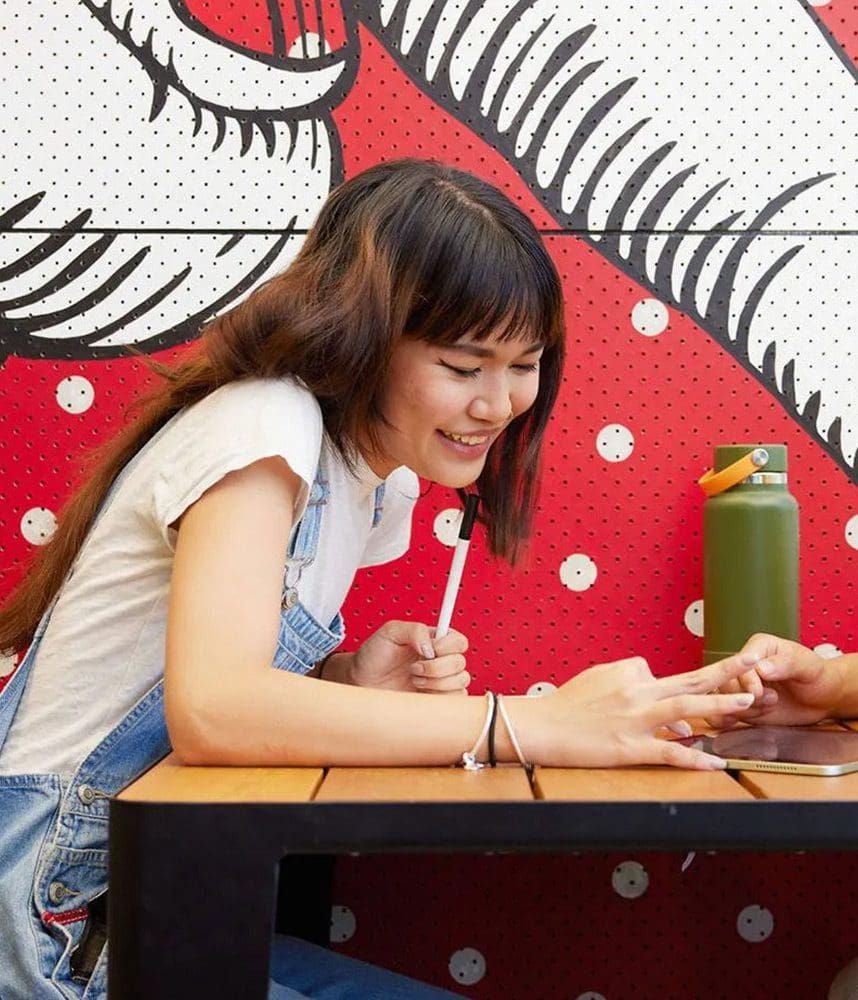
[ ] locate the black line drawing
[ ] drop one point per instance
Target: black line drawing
(717, 172)
(669, 135)
(158, 125)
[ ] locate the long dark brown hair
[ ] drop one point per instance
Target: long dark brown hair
(410, 248)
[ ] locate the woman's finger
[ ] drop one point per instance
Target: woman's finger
(762, 707)
(452, 642)
(697, 706)
(441, 666)
(709, 678)
(415, 635)
(443, 685)
(731, 687)
(676, 755)
(681, 727)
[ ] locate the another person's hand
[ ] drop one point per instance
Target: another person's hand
(792, 685)
(609, 716)
(405, 656)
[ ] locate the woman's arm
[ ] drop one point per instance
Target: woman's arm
(225, 704)
(224, 701)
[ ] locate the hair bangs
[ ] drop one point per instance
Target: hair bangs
(483, 288)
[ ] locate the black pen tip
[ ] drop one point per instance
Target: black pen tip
(472, 501)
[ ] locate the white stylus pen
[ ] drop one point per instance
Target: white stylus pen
(457, 566)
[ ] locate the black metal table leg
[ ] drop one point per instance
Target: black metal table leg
(304, 889)
(191, 909)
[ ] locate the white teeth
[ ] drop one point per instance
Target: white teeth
(466, 438)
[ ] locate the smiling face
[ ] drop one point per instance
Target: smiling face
(446, 404)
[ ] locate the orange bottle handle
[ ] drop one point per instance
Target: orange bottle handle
(713, 483)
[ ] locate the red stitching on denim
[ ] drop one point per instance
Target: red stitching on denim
(69, 917)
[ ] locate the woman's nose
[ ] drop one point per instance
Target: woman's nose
(492, 404)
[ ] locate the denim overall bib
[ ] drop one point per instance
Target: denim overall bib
(53, 831)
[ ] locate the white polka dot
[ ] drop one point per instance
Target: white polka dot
(694, 618)
(650, 317)
(540, 688)
(630, 880)
(467, 966)
(845, 983)
(615, 443)
(343, 924)
(755, 923)
(446, 526)
(827, 650)
(578, 572)
(852, 532)
(590, 995)
(37, 525)
(7, 663)
(75, 394)
(310, 44)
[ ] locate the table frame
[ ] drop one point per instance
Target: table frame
(176, 944)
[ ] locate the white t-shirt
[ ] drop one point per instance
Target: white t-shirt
(104, 647)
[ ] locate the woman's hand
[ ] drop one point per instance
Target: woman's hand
(792, 685)
(405, 656)
(608, 716)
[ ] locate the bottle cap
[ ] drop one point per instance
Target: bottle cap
(736, 462)
(727, 454)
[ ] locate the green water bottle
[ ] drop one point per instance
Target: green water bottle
(750, 549)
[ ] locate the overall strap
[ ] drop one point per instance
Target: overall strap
(304, 540)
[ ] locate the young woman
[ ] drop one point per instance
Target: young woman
(418, 332)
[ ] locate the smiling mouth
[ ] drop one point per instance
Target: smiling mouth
(469, 439)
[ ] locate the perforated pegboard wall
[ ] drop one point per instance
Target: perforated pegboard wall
(693, 168)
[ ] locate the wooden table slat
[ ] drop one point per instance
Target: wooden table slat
(424, 784)
(171, 781)
(640, 784)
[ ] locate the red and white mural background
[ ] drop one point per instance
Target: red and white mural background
(168, 156)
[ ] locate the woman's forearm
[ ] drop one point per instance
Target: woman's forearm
(272, 717)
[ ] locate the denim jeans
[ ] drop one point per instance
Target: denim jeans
(314, 973)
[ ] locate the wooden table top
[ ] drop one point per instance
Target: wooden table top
(170, 781)
(388, 809)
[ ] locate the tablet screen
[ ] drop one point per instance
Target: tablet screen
(788, 744)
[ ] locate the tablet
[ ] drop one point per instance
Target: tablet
(790, 749)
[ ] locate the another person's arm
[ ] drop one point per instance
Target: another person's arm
(226, 705)
(793, 685)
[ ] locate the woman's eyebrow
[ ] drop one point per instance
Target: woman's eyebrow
(486, 352)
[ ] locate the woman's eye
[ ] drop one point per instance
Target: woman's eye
(466, 372)
(527, 368)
